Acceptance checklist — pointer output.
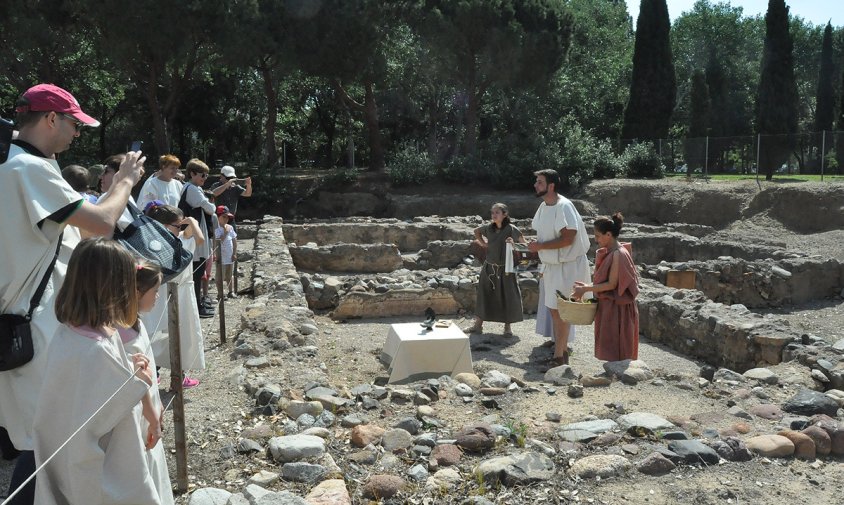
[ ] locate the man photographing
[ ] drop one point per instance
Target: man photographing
(37, 206)
(227, 191)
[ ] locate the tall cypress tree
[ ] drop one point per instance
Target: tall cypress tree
(776, 104)
(653, 90)
(839, 136)
(825, 97)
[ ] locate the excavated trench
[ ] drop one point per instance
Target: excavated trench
(366, 268)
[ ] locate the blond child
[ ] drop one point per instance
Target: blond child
(88, 368)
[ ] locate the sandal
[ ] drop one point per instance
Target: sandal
(508, 332)
(188, 383)
(473, 329)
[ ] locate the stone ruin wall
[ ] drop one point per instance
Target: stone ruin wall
(712, 323)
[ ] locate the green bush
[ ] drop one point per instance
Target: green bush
(409, 165)
(642, 161)
(464, 169)
(339, 178)
(569, 149)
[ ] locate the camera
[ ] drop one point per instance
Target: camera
(136, 145)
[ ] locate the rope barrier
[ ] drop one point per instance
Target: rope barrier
(134, 373)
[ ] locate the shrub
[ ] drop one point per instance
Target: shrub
(409, 165)
(463, 169)
(642, 161)
(339, 178)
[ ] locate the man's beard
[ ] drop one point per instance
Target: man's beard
(540, 194)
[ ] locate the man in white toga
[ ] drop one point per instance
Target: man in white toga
(562, 243)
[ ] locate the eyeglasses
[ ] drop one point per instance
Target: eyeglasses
(76, 123)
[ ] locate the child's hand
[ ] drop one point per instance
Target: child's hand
(141, 364)
(153, 434)
(579, 290)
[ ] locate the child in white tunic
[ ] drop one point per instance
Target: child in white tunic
(105, 463)
(136, 340)
(190, 331)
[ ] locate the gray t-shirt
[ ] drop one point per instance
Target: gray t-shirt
(229, 197)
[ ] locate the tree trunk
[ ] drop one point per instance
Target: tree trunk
(270, 148)
(470, 146)
(376, 149)
(159, 122)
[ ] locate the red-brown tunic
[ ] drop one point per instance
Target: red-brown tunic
(617, 317)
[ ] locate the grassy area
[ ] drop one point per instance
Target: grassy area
(777, 177)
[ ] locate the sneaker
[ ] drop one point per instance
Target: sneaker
(188, 383)
(205, 313)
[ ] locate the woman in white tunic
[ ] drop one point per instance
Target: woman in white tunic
(190, 331)
(105, 463)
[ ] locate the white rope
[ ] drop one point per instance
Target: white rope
(101, 407)
(64, 444)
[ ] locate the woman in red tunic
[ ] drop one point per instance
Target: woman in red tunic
(616, 285)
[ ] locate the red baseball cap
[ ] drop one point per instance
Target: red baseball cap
(223, 210)
(49, 97)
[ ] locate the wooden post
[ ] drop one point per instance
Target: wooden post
(176, 387)
(234, 277)
(221, 294)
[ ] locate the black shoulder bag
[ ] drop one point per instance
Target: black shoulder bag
(196, 213)
(16, 347)
(148, 239)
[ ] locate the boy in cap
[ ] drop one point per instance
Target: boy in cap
(227, 236)
(38, 206)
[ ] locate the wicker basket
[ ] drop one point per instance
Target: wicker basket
(576, 312)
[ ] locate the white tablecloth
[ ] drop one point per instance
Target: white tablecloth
(414, 353)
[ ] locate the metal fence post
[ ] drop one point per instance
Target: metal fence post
(176, 387)
(823, 150)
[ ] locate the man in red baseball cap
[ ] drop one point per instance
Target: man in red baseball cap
(37, 206)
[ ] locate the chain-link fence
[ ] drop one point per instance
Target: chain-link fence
(817, 153)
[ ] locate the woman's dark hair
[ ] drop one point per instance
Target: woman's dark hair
(165, 214)
(505, 221)
(610, 224)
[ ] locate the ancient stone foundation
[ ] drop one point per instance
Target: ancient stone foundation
(365, 268)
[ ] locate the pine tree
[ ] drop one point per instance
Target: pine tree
(653, 90)
(776, 103)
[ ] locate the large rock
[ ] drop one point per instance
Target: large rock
(329, 492)
(396, 439)
(347, 257)
(601, 465)
(694, 452)
(651, 422)
(761, 375)
(396, 302)
(629, 371)
(515, 470)
(365, 434)
(804, 446)
(807, 403)
(299, 471)
(598, 426)
(296, 447)
(771, 446)
(561, 375)
(821, 439)
(476, 437)
(209, 496)
(655, 464)
(496, 379)
(383, 486)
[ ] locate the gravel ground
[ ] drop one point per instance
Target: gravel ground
(218, 410)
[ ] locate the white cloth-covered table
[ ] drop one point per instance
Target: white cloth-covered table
(414, 353)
